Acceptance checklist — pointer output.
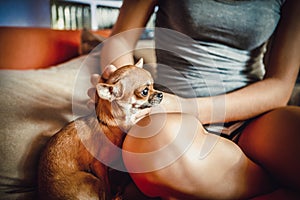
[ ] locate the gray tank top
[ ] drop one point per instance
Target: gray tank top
(211, 47)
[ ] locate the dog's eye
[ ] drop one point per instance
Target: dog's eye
(145, 92)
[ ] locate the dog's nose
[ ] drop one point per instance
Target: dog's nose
(160, 95)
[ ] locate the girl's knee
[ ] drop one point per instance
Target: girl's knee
(153, 144)
(157, 131)
(144, 142)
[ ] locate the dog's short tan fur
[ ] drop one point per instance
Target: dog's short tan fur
(67, 169)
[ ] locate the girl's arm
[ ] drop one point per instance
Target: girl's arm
(133, 17)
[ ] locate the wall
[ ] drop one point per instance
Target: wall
(29, 13)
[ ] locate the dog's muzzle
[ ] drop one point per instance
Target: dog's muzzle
(153, 100)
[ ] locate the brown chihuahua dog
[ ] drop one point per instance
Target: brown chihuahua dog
(75, 162)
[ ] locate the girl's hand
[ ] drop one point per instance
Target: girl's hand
(95, 79)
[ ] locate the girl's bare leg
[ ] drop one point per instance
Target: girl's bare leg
(273, 141)
(223, 173)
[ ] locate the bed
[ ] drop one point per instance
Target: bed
(44, 77)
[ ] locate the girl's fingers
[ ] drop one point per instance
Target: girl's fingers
(108, 70)
(92, 94)
(95, 78)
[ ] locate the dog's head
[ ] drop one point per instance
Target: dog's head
(128, 90)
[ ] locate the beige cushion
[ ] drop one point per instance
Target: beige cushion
(35, 104)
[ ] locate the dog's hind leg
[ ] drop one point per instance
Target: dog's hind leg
(90, 187)
(75, 186)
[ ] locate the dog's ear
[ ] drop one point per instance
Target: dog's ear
(140, 63)
(109, 92)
